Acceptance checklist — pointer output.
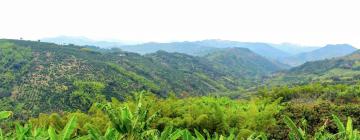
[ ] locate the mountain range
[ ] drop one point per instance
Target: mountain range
(327, 52)
(286, 53)
(84, 41)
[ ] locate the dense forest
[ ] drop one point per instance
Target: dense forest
(62, 92)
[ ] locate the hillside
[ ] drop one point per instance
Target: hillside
(50, 87)
(240, 62)
(46, 77)
(286, 54)
(344, 69)
(262, 49)
(200, 48)
(327, 52)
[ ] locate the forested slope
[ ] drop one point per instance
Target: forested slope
(344, 70)
(45, 77)
(80, 92)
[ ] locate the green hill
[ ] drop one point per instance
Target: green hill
(337, 70)
(242, 62)
(45, 77)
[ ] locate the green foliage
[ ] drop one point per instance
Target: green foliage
(138, 118)
(168, 134)
(83, 97)
(242, 118)
(343, 133)
(5, 114)
(295, 133)
(251, 64)
(346, 132)
(338, 93)
(133, 125)
(150, 85)
(342, 70)
(66, 133)
(14, 62)
(39, 77)
(110, 134)
(51, 90)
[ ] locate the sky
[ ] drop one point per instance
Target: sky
(304, 22)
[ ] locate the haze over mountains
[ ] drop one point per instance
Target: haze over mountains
(329, 51)
(79, 40)
(286, 53)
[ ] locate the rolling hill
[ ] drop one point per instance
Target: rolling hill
(240, 62)
(45, 77)
(283, 54)
(344, 69)
(327, 52)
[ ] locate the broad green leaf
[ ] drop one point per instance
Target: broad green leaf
(175, 135)
(297, 131)
(187, 135)
(166, 133)
(110, 133)
(199, 136)
(339, 124)
(1, 134)
(52, 133)
(5, 114)
(21, 131)
(349, 127)
(231, 136)
(221, 137)
(69, 128)
(93, 132)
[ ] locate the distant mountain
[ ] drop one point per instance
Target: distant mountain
(329, 51)
(294, 49)
(83, 41)
(286, 53)
(200, 48)
(262, 49)
(191, 48)
(344, 69)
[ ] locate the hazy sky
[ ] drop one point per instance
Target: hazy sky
(307, 22)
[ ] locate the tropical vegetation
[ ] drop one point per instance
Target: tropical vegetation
(62, 92)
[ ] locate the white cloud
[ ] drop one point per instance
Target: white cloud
(308, 22)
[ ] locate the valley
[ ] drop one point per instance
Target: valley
(231, 91)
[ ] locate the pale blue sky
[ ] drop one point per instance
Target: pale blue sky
(306, 22)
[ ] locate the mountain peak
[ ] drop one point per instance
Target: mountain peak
(337, 46)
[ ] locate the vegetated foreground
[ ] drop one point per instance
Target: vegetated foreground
(104, 96)
(145, 116)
